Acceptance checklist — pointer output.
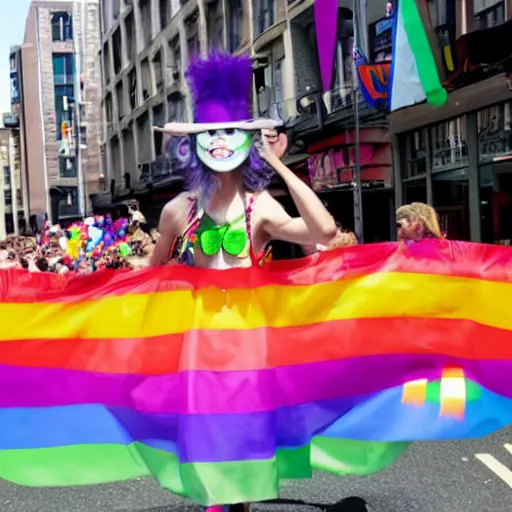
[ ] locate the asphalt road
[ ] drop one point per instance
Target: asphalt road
(431, 477)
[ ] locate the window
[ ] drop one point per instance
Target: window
(264, 15)
(449, 149)
(147, 89)
(7, 176)
(120, 100)
(495, 131)
(278, 81)
(68, 204)
(63, 110)
(443, 15)
(192, 30)
(116, 50)
(415, 191)
(106, 63)
(488, 13)
(235, 24)
(132, 88)
(145, 14)
(215, 25)
(415, 154)
(108, 108)
(67, 167)
(130, 37)
(62, 27)
(164, 13)
(344, 60)
(63, 69)
(174, 62)
(157, 70)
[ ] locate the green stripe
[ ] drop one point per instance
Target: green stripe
(204, 483)
(420, 46)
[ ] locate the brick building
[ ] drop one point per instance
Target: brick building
(58, 93)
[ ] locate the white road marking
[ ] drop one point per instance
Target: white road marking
(508, 447)
(496, 466)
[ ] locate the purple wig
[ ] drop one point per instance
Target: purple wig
(221, 86)
(255, 173)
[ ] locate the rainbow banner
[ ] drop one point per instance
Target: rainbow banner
(221, 383)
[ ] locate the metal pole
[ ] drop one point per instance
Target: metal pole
(3, 233)
(14, 185)
(358, 199)
(78, 36)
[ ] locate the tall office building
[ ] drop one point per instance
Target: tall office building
(55, 92)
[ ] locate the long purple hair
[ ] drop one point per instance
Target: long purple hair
(255, 174)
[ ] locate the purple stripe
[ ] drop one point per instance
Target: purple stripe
(204, 392)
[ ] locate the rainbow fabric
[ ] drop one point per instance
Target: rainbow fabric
(222, 383)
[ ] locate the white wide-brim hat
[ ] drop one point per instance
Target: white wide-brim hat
(255, 125)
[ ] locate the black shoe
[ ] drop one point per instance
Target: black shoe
(239, 507)
(352, 504)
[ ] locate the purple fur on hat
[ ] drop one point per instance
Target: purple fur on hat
(255, 173)
(221, 88)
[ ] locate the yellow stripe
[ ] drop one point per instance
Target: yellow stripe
(373, 296)
(415, 392)
(453, 393)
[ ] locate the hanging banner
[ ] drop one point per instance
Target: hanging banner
(374, 84)
(326, 23)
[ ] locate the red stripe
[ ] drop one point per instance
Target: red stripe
(264, 348)
(441, 257)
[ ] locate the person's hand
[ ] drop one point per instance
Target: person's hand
(267, 153)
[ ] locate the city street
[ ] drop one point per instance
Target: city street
(470, 476)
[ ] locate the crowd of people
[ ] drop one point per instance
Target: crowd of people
(96, 242)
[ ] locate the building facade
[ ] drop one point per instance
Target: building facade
(55, 93)
(146, 47)
(458, 157)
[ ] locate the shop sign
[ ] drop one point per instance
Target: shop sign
(335, 168)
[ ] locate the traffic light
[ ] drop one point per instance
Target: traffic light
(65, 129)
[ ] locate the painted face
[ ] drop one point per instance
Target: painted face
(409, 230)
(223, 150)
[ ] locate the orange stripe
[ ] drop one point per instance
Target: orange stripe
(415, 392)
(260, 348)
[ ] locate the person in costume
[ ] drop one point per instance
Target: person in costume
(417, 221)
(226, 218)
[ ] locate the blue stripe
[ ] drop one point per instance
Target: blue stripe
(224, 437)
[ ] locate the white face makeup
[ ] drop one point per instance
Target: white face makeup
(223, 150)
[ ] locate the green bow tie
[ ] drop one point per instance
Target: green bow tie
(231, 237)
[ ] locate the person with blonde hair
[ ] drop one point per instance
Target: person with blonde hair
(417, 221)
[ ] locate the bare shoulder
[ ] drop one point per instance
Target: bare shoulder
(175, 213)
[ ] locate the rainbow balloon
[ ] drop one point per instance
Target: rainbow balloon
(221, 383)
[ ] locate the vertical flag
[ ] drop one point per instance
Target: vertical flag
(326, 25)
(414, 75)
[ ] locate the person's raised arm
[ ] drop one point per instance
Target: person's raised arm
(315, 225)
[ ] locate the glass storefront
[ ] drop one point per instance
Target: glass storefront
(450, 184)
(437, 168)
(495, 166)
(414, 184)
